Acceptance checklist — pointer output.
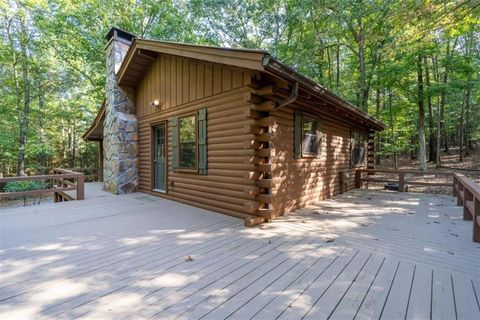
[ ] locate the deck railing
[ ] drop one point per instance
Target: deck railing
(61, 181)
(465, 189)
(401, 181)
(91, 174)
(468, 196)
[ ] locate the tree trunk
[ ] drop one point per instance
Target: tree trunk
(439, 124)
(377, 134)
(431, 133)
(74, 144)
(469, 45)
(64, 139)
(330, 69)
(443, 95)
(363, 92)
(41, 124)
(467, 120)
(421, 118)
(392, 128)
(414, 150)
(442, 120)
(462, 124)
(337, 78)
(23, 127)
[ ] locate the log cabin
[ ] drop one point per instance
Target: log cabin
(230, 130)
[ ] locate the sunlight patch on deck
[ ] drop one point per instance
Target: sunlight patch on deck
(365, 254)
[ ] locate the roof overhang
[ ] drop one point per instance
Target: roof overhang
(143, 52)
(279, 69)
(95, 131)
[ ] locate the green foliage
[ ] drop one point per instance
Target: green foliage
(19, 186)
(353, 47)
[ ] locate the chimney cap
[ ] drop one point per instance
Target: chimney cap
(119, 33)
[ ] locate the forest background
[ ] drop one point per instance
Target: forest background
(412, 64)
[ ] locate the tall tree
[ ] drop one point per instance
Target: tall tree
(421, 116)
(431, 131)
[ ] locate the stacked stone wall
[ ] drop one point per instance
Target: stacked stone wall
(120, 128)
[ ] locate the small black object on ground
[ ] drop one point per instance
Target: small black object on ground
(394, 187)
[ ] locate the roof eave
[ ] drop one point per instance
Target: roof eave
(87, 136)
(276, 67)
(241, 58)
(250, 59)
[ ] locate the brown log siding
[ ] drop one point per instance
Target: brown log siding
(300, 182)
(193, 86)
(183, 86)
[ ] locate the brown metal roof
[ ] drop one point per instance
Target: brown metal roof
(143, 51)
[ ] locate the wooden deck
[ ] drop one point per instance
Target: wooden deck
(363, 255)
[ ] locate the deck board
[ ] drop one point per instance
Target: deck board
(465, 299)
(443, 300)
(352, 300)
(282, 300)
(363, 255)
(420, 302)
(374, 300)
(327, 302)
(304, 302)
(397, 300)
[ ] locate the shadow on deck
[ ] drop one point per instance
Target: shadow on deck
(365, 254)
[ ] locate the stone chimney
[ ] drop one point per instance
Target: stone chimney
(120, 127)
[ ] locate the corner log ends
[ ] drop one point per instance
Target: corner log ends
(263, 130)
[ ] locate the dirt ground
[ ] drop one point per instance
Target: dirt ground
(450, 162)
(469, 167)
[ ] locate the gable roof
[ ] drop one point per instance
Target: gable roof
(143, 51)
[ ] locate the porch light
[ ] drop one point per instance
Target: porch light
(155, 103)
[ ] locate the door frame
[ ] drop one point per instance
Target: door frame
(152, 155)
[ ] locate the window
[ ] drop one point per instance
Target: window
(311, 136)
(358, 142)
(187, 142)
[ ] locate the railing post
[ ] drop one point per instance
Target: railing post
(455, 181)
(401, 181)
(80, 187)
(467, 196)
(358, 177)
(459, 193)
(476, 220)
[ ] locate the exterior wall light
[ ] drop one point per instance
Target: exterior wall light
(156, 103)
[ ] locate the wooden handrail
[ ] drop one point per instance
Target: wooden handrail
(401, 177)
(89, 173)
(465, 189)
(42, 177)
(60, 184)
(417, 172)
(468, 196)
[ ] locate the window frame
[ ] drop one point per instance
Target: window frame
(319, 149)
(352, 147)
(188, 169)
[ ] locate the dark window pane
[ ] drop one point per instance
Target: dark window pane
(358, 148)
(187, 142)
(311, 136)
